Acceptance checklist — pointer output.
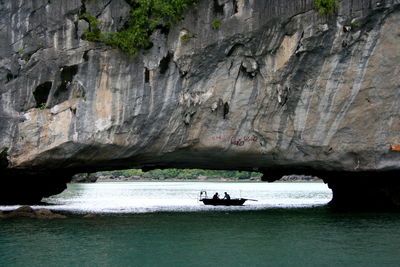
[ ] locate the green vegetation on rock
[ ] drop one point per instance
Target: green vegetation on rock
(93, 33)
(355, 25)
(187, 37)
(326, 7)
(145, 17)
(216, 24)
(42, 106)
(183, 173)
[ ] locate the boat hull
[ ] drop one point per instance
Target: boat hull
(224, 202)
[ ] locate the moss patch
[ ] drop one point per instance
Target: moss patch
(216, 24)
(187, 37)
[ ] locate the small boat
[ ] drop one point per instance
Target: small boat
(224, 202)
(220, 201)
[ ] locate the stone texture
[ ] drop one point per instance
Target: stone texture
(276, 88)
(28, 212)
(48, 214)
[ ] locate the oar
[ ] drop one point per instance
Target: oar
(251, 199)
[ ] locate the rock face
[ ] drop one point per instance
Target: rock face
(276, 88)
(84, 178)
(28, 212)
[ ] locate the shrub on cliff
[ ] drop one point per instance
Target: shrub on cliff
(326, 7)
(216, 24)
(145, 17)
(93, 33)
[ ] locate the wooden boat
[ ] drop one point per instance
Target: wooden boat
(222, 202)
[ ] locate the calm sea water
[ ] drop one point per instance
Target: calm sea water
(142, 197)
(162, 224)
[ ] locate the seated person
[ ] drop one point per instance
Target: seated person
(227, 197)
(216, 196)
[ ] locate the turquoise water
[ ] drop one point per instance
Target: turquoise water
(306, 235)
(276, 237)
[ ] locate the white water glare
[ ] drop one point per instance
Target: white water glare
(142, 197)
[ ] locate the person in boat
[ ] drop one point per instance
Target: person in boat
(216, 196)
(227, 196)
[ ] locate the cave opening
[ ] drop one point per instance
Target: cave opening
(235, 6)
(163, 29)
(226, 110)
(164, 63)
(85, 56)
(185, 190)
(218, 9)
(136, 190)
(146, 75)
(10, 77)
(66, 76)
(41, 93)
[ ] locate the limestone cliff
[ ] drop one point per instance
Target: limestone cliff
(276, 87)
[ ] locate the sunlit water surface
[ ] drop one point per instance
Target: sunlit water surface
(163, 224)
(139, 197)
